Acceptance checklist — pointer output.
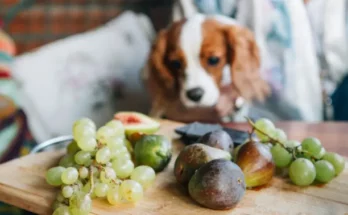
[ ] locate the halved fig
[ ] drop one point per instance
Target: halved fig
(135, 122)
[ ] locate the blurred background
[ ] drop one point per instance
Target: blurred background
(65, 59)
(33, 23)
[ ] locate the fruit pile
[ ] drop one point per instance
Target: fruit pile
(103, 164)
(307, 162)
(216, 174)
(205, 168)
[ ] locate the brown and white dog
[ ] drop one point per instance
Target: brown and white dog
(199, 66)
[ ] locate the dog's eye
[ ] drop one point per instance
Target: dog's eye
(175, 64)
(212, 61)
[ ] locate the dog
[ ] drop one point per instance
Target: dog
(200, 69)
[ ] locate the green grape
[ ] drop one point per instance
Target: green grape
(87, 143)
(104, 133)
(108, 164)
(67, 191)
(131, 191)
(115, 142)
(279, 135)
(292, 143)
(325, 171)
(83, 172)
(117, 126)
(67, 161)
(73, 148)
(107, 175)
(84, 121)
(312, 146)
(77, 186)
(281, 156)
(53, 176)
(123, 155)
(56, 204)
(128, 146)
(336, 160)
(95, 171)
(81, 131)
(101, 189)
(321, 153)
(302, 172)
(265, 126)
(70, 175)
(62, 210)
(60, 198)
(83, 158)
(103, 155)
(87, 187)
(80, 204)
(115, 153)
(123, 167)
(144, 175)
(114, 196)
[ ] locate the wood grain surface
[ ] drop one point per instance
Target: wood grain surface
(22, 184)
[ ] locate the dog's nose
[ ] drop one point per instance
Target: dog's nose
(195, 94)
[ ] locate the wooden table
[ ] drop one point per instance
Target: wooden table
(22, 184)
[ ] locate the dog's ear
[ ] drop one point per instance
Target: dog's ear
(159, 81)
(244, 59)
(157, 66)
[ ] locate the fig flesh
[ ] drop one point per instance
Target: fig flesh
(137, 122)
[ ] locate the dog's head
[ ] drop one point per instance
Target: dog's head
(188, 59)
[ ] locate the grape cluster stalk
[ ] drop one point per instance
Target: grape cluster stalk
(307, 161)
(98, 164)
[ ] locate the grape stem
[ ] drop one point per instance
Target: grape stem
(91, 180)
(274, 141)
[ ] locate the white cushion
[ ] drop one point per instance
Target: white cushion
(92, 74)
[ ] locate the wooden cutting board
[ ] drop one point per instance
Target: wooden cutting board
(22, 184)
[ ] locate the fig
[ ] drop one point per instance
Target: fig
(218, 139)
(154, 151)
(193, 157)
(255, 160)
(218, 184)
(137, 122)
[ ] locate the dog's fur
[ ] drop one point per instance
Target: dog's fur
(180, 60)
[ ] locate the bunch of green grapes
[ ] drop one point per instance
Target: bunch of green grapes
(307, 161)
(98, 164)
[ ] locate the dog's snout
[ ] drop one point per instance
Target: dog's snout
(195, 94)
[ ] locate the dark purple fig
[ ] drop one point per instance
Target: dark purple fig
(218, 139)
(218, 184)
(193, 157)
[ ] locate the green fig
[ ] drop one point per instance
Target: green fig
(193, 157)
(255, 160)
